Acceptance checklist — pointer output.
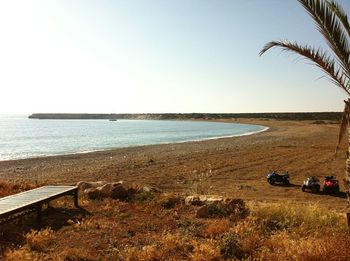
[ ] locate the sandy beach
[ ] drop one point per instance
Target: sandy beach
(234, 166)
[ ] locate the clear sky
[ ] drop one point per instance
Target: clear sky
(148, 56)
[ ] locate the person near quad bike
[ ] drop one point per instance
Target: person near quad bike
(330, 185)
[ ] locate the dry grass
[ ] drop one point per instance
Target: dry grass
(169, 248)
(297, 217)
(151, 230)
(74, 254)
(207, 250)
(217, 228)
(199, 183)
(40, 241)
(7, 188)
(21, 254)
(329, 246)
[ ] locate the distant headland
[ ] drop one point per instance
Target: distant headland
(318, 116)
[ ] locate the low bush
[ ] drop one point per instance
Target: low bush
(171, 247)
(145, 196)
(235, 207)
(230, 247)
(40, 240)
(217, 228)
(207, 250)
(190, 227)
(169, 202)
(22, 254)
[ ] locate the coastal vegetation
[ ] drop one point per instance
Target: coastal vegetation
(152, 230)
(294, 116)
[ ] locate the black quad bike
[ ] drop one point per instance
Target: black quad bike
(273, 178)
(311, 183)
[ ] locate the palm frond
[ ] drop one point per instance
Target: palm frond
(340, 13)
(331, 28)
(318, 57)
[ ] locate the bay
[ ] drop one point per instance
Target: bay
(21, 137)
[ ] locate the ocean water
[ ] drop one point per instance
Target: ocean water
(21, 137)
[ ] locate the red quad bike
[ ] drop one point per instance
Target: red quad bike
(330, 185)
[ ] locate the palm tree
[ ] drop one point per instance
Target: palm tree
(332, 22)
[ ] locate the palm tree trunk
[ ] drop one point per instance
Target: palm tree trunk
(345, 127)
(347, 169)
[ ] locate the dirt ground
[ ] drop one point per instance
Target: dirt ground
(235, 167)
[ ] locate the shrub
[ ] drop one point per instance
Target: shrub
(40, 240)
(230, 247)
(190, 227)
(148, 253)
(205, 251)
(217, 228)
(225, 209)
(144, 196)
(251, 235)
(23, 254)
(219, 210)
(171, 247)
(169, 201)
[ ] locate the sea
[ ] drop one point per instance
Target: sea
(21, 137)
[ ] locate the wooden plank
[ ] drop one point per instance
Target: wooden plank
(33, 198)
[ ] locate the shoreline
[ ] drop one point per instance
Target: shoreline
(265, 128)
(162, 143)
(237, 166)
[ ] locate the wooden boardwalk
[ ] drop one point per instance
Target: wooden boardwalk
(32, 200)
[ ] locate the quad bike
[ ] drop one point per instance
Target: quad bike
(274, 178)
(311, 183)
(330, 185)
